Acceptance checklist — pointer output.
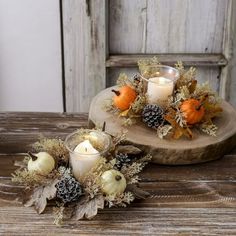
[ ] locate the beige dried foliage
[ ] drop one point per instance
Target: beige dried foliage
(123, 80)
(209, 129)
(27, 178)
(89, 209)
(40, 195)
(138, 104)
(58, 215)
(55, 147)
(180, 67)
(163, 131)
(120, 200)
(91, 181)
(130, 172)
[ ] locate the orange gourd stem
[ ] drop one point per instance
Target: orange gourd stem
(116, 92)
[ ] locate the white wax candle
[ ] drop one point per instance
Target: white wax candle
(158, 89)
(83, 158)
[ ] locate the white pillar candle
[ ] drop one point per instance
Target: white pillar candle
(83, 158)
(158, 90)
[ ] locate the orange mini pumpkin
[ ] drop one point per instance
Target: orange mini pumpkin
(193, 111)
(124, 97)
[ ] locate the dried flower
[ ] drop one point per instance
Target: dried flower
(209, 129)
(163, 131)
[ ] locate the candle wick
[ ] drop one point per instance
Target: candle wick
(86, 149)
(104, 126)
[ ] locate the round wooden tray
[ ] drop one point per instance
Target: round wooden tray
(201, 148)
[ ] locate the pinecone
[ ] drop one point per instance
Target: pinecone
(153, 116)
(69, 189)
(122, 160)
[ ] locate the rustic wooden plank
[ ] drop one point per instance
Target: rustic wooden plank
(127, 221)
(228, 83)
(161, 27)
(189, 59)
(227, 49)
(232, 95)
(18, 130)
(85, 51)
(185, 26)
(127, 26)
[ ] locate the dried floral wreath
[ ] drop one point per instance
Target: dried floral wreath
(81, 198)
(192, 105)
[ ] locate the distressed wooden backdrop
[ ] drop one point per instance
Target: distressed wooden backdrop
(103, 38)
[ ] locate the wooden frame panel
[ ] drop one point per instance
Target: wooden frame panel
(84, 24)
(197, 59)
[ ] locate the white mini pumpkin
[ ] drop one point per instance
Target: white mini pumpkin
(41, 162)
(113, 182)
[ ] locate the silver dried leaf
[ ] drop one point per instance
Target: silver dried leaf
(40, 195)
(162, 131)
(138, 192)
(180, 118)
(89, 209)
(209, 129)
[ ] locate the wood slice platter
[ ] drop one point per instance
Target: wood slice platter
(201, 148)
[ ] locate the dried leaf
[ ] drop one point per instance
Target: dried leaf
(58, 215)
(128, 149)
(192, 86)
(180, 67)
(178, 131)
(163, 131)
(139, 103)
(137, 192)
(55, 147)
(20, 164)
(209, 129)
(136, 167)
(28, 178)
(120, 200)
(90, 208)
(180, 118)
(122, 80)
(40, 195)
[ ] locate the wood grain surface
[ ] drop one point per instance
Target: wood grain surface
(198, 199)
(169, 26)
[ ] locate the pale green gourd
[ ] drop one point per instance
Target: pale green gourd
(113, 182)
(41, 162)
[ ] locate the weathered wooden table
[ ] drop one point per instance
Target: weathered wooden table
(189, 200)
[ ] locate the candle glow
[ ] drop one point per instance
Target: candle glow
(83, 158)
(159, 89)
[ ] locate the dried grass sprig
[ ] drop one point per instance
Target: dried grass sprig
(55, 147)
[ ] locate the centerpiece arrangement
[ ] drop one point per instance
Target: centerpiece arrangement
(87, 172)
(167, 99)
(168, 113)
